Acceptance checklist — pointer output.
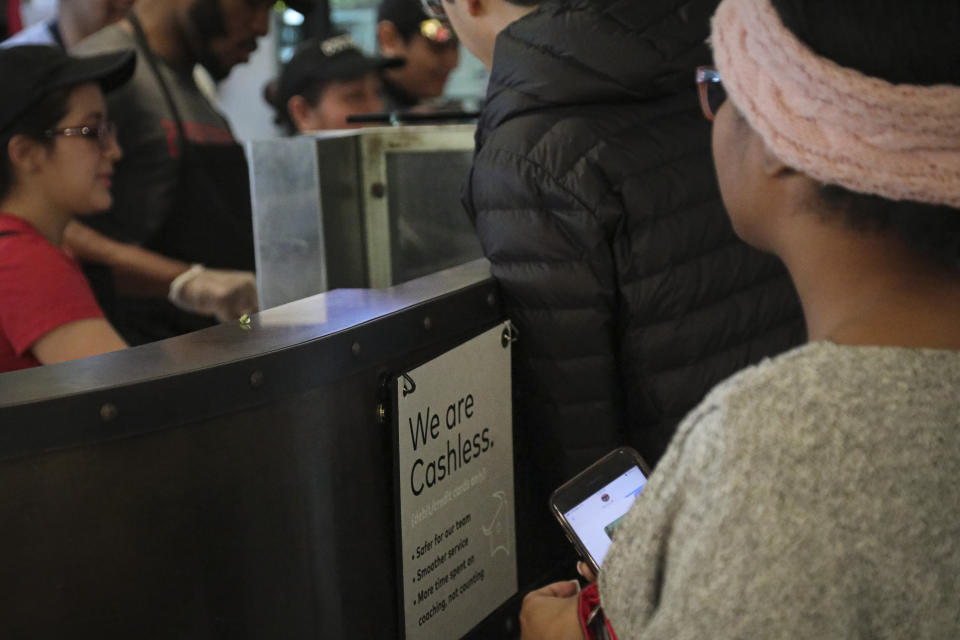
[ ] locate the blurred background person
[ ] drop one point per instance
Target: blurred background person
(181, 190)
(75, 20)
(429, 47)
(59, 148)
(326, 81)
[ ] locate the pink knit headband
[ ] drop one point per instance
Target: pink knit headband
(836, 124)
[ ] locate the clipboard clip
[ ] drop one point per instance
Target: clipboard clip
(510, 335)
(409, 386)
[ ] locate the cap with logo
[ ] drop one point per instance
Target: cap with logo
(335, 58)
(31, 72)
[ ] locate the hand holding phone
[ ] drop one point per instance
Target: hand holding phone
(592, 504)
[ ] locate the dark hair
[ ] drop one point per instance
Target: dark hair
(900, 42)
(406, 16)
(312, 91)
(931, 230)
(406, 31)
(525, 3)
(41, 117)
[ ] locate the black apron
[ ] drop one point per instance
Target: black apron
(211, 222)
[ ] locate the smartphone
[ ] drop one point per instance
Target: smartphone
(592, 504)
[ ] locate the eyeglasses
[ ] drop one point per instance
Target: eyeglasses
(104, 133)
(434, 9)
(712, 94)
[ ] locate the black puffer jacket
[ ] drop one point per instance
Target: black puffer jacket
(595, 198)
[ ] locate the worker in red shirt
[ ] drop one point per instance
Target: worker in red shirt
(59, 148)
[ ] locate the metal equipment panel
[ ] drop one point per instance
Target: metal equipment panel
(385, 203)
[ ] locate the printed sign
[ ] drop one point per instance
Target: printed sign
(455, 484)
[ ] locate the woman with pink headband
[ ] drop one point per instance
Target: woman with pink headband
(815, 495)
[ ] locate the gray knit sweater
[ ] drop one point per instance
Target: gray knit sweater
(816, 495)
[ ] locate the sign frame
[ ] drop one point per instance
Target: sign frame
(401, 383)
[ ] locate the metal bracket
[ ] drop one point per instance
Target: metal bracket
(510, 334)
(409, 386)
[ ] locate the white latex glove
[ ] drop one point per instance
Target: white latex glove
(223, 293)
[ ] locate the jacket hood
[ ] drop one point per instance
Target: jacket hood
(571, 52)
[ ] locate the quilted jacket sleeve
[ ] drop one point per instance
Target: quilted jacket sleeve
(550, 250)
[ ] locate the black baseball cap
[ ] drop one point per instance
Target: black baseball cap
(406, 15)
(30, 72)
(409, 18)
(320, 61)
(303, 6)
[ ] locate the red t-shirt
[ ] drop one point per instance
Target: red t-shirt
(41, 288)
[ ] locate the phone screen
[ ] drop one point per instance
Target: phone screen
(595, 518)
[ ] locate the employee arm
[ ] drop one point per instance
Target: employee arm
(136, 271)
(77, 339)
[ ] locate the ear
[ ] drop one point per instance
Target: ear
(391, 44)
(474, 7)
(773, 166)
(299, 110)
(24, 153)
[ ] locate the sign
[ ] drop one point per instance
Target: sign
(454, 447)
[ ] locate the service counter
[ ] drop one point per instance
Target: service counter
(237, 482)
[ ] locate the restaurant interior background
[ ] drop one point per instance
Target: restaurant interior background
(253, 119)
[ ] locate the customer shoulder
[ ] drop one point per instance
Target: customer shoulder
(620, 140)
(823, 388)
